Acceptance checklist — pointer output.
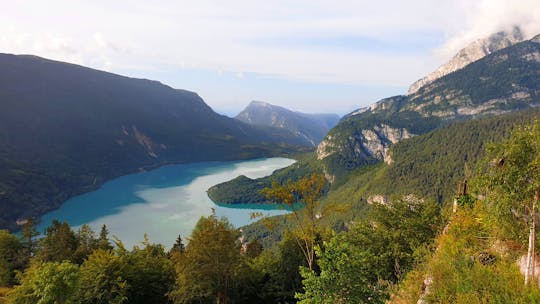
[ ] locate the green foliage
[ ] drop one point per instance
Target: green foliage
(511, 179)
(28, 238)
(458, 272)
(103, 278)
(275, 273)
(356, 266)
(86, 243)
(3, 295)
(103, 240)
(346, 276)
(59, 243)
(430, 165)
(47, 283)
(254, 248)
(149, 273)
(302, 198)
(11, 257)
(246, 190)
(206, 272)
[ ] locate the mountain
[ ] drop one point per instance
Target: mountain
(428, 166)
(312, 127)
(65, 129)
(473, 52)
(504, 81)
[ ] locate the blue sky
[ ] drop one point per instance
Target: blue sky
(307, 55)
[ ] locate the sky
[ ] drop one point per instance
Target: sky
(307, 55)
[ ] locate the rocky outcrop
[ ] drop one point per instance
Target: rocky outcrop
(378, 140)
(375, 142)
(325, 148)
(473, 52)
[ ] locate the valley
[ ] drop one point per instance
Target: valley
(121, 189)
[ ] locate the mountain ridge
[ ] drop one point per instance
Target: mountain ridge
(476, 50)
(312, 127)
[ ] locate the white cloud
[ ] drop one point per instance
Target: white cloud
(225, 36)
(484, 17)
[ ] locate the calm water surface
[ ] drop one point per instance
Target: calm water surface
(163, 202)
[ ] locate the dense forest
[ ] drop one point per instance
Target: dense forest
(406, 249)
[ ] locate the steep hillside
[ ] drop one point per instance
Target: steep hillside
(311, 127)
(65, 129)
(429, 166)
(504, 81)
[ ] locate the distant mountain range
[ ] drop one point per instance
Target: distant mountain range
(65, 129)
(310, 127)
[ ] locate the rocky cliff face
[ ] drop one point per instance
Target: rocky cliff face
(473, 52)
(373, 142)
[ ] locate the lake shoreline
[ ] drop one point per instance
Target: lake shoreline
(165, 188)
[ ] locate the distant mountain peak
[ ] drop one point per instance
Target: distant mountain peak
(471, 53)
(312, 127)
(258, 103)
(536, 38)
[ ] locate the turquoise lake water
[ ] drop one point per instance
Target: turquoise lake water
(164, 202)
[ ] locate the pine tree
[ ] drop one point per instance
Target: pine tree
(87, 243)
(103, 240)
(59, 243)
(179, 245)
(28, 237)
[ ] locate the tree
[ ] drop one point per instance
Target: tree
(47, 283)
(103, 279)
(512, 184)
(150, 274)
(86, 243)
(28, 237)
(207, 271)
(178, 246)
(254, 248)
(301, 197)
(346, 276)
(103, 240)
(397, 232)
(11, 257)
(357, 265)
(59, 243)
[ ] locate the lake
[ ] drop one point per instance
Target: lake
(164, 202)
